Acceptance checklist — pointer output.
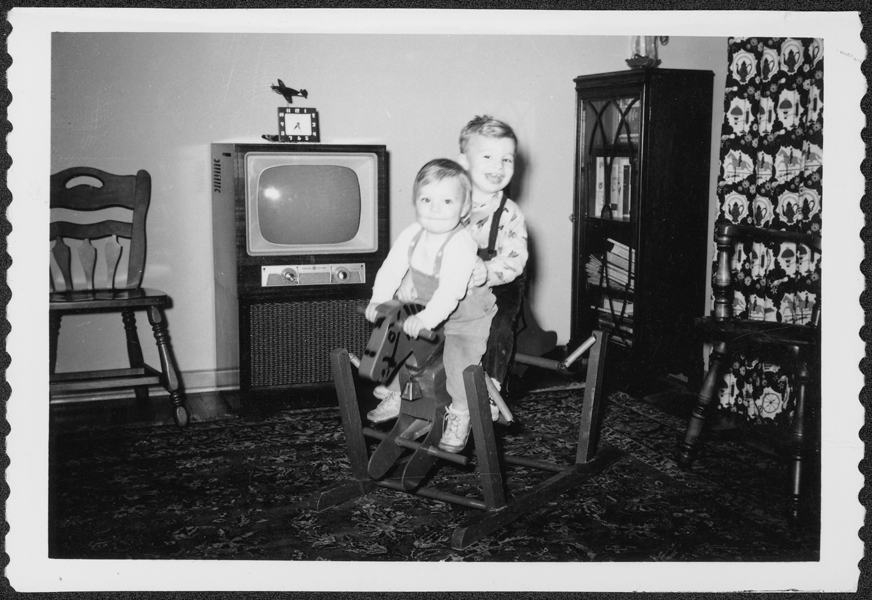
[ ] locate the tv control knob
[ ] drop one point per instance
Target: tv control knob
(289, 275)
(342, 274)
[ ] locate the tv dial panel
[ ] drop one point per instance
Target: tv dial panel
(285, 275)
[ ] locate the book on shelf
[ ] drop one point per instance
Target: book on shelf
(614, 275)
(627, 176)
(620, 255)
(618, 263)
(621, 250)
(618, 173)
(615, 193)
(608, 276)
(622, 185)
(622, 333)
(620, 258)
(600, 191)
(621, 341)
(617, 305)
(606, 315)
(612, 326)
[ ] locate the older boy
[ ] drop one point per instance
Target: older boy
(487, 152)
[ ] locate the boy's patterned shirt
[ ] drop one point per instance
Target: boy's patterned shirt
(511, 244)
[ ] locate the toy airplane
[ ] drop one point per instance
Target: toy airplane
(288, 93)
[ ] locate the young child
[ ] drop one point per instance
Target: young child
(487, 152)
(439, 254)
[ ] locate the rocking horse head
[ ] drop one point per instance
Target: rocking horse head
(389, 348)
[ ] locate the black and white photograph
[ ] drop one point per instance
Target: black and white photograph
(434, 300)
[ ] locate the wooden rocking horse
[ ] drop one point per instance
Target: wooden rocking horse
(407, 453)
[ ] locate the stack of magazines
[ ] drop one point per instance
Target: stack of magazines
(614, 271)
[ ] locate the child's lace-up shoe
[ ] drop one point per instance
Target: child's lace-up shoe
(455, 431)
(388, 408)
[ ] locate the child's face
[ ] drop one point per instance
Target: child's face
(490, 162)
(439, 205)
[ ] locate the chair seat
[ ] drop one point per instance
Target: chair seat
(81, 300)
(758, 332)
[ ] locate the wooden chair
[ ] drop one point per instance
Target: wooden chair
(798, 344)
(75, 195)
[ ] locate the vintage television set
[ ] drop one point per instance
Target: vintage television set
(299, 231)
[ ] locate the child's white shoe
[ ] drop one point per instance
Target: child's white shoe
(381, 392)
(455, 431)
(388, 408)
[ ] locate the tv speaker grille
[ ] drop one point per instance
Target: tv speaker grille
(291, 342)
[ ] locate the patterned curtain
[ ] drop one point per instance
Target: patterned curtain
(771, 176)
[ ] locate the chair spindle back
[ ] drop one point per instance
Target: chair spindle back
(83, 191)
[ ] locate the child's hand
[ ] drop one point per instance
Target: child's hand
(407, 292)
(479, 272)
(412, 326)
(371, 312)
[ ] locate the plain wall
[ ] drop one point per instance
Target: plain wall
(155, 101)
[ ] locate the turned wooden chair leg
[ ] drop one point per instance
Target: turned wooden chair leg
(54, 323)
(797, 445)
(134, 350)
(168, 366)
(688, 448)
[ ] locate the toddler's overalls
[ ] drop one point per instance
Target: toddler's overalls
(466, 329)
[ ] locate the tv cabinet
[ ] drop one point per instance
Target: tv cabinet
(640, 216)
(276, 340)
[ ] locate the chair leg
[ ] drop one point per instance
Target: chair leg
(54, 330)
(171, 375)
(797, 444)
(134, 350)
(688, 448)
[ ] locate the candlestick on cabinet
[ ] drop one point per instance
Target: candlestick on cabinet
(643, 50)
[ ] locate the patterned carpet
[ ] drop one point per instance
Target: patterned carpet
(233, 489)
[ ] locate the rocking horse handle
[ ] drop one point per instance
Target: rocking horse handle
(427, 334)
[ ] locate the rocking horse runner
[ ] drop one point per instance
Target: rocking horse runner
(408, 452)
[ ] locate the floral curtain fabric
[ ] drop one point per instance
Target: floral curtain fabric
(771, 176)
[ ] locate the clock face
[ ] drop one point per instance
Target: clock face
(298, 125)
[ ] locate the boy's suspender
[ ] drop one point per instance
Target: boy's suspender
(488, 253)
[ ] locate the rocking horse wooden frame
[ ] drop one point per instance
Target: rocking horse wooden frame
(385, 355)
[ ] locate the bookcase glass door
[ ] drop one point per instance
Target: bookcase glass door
(611, 133)
(610, 130)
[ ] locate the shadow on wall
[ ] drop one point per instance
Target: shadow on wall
(515, 191)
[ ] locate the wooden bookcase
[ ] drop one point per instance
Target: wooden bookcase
(642, 180)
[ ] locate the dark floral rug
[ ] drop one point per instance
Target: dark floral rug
(236, 489)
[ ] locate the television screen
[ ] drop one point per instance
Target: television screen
(308, 204)
(311, 203)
